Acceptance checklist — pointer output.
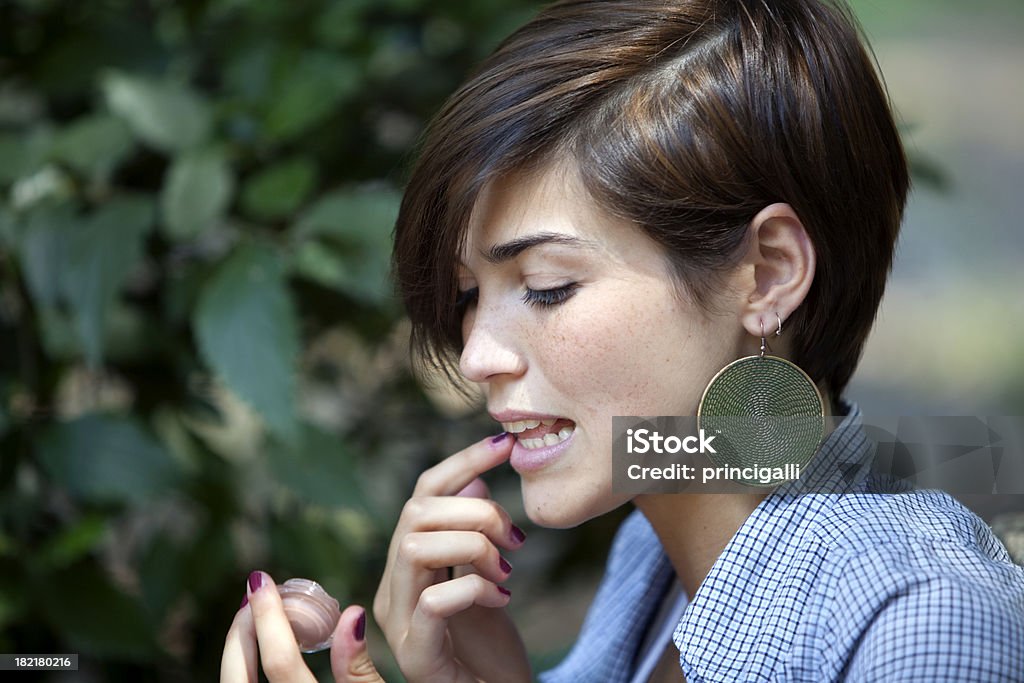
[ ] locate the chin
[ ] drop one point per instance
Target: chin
(561, 508)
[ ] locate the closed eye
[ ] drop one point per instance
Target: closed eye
(550, 297)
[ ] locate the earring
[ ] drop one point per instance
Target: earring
(766, 412)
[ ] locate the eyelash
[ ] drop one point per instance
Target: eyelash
(543, 298)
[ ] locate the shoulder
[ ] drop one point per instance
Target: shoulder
(941, 628)
(877, 546)
(920, 589)
(862, 522)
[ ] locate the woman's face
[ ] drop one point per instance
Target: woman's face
(571, 316)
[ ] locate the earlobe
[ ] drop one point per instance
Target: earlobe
(784, 259)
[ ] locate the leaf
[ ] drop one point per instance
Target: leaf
(58, 336)
(94, 145)
(279, 190)
(209, 560)
(247, 332)
(321, 264)
(8, 223)
(94, 617)
(73, 542)
(196, 192)
(319, 469)
(43, 250)
(100, 458)
(164, 114)
(308, 92)
(103, 252)
(161, 574)
(23, 154)
(358, 225)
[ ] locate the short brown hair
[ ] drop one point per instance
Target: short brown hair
(685, 117)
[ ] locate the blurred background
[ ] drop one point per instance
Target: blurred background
(203, 370)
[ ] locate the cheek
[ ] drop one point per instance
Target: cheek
(633, 356)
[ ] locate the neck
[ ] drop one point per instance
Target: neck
(694, 528)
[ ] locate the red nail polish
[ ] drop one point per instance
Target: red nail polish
(360, 629)
(245, 601)
(517, 534)
(255, 581)
(504, 591)
(505, 566)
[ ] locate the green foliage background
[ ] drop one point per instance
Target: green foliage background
(202, 366)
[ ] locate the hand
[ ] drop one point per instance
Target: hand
(452, 629)
(261, 634)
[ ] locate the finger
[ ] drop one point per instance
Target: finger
(428, 627)
(452, 474)
(239, 663)
(423, 553)
(475, 489)
(456, 513)
(350, 660)
(279, 653)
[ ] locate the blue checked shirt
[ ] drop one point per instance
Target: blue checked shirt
(864, 585)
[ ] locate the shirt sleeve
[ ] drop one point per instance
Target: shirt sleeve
(940, 629)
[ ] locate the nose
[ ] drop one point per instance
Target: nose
(489, 350)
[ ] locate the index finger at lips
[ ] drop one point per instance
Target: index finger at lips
(279, 653)
(454, 473)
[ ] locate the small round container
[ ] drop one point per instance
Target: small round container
(312, 613)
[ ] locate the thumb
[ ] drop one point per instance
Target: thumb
(350, 660)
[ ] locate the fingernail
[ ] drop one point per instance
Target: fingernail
(505, 566)
(245, 601)
(360, 629)
(255, 581)
(517, 534)
(504, 591)
(499, 438)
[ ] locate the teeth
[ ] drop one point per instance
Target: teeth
(523, 425)
(548, 439)
(548, 423)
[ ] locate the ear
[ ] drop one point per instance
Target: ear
(783, 260)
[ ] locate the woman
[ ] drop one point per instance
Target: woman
(622, 200)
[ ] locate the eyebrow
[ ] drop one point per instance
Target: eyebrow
(507, 251)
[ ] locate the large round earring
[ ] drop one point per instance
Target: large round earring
(766, 413)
